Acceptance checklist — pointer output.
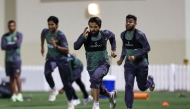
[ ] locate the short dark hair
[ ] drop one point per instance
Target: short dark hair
(11, 21)
(97, 20)
(54, 19)
(130, 16)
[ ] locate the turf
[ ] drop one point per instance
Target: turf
(40, 101)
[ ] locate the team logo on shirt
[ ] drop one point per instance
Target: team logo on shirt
(15, 38)
(96, 45)
(18, 70)
(50, 46)
(128, 44)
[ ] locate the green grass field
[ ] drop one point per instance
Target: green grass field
(40, 101)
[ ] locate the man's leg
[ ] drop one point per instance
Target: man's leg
(49, 68)
(17, 72)
(129, 73)
(87, 97)
(9, 72)
(66, 77)
(142, 81)
(13, 87)
(82, 87)
(98, 88)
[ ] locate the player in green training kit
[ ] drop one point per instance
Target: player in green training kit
(57, 56)
(135, 48)
(95, 43)
(11, 43)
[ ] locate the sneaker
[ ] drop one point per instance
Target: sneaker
(14, 97)
(151, 88)
(53, 94)
(71, 105)
(76, 102)
(112, 99)
(20, 97)
(95, 107)
(87, 100)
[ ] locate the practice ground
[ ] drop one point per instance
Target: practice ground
(40, 101)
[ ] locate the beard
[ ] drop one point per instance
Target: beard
(94, 33)
(130, 29)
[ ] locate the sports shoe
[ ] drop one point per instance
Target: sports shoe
(87, 100)
(95, 107)
(20, 97)
(151, 88)
(53, 94)
(71, 105)
(112, 99)
(14, 97)
(76, 102)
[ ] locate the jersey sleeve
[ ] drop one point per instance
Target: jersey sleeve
(111, 37)
(44, 32)
(63, 40)
(144, 42)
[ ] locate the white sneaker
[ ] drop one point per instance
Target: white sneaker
(76, 102)
(53, 94)
(95, 107)
(87, 100)
(14, 97)
(71, 105)
(112, 99)
(20, 97)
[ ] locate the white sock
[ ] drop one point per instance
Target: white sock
(96, 103)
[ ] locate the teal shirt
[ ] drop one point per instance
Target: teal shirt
(96, 58)
(11, 43)
(61, 40)
(132, 52)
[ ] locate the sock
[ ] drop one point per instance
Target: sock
(96, 103)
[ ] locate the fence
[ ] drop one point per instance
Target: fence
(167, 78)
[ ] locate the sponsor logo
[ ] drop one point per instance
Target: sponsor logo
(96, 45)
(128, 44)
(50, 46)
(18, 70)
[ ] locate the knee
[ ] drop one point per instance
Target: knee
(142, 88)
(95, 82)
(47, 74)
(16, 76)
(12, 78)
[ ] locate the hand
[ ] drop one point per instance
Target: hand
(119, 62)
(42, 51)
(52, 41)
(113, 54)
(131, 58)
(85, 33)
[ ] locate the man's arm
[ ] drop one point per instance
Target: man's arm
(146, 47)
(3, 43)
(80, 41)
(42, 41)
(63, 47)
(112, 41)
(18, 41)
(123, 52)
(82, 38)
